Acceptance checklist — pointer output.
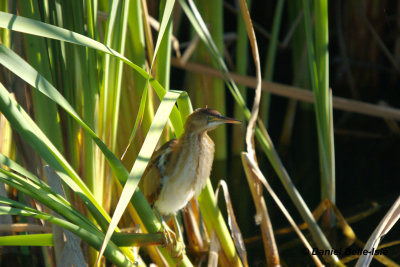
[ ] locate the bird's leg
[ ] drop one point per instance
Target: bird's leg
(180, 243)
(175, 243)
(169, 235)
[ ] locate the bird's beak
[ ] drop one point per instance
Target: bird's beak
(223, 119)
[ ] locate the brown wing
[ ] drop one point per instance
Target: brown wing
(150, 184)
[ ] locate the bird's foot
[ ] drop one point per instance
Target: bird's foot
(173, 242)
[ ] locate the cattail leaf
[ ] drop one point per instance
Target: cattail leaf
(27, 240)
(141, 162)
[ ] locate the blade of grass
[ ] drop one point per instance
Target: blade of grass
(138, 200)
(137, 52)
(49, 31)
(386, 224)
(140, 164)
(139, 119)
(27, 240)
(322, 57)
(212, 13)
(241, 68)
(164, 47)
(214, 221)
(25, 25)
(318, 68)
(271, 58)
(164, 25)
(47, 197)
(50, 200)
(135, 175)
(185, 106)
(112, 252)
(162, 50)
(9, 59)
(111, 89)
(23, 172)
(110, 96)
(4, 33)
(22, 123)
(46, 113)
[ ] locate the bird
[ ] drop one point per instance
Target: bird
(179, 169)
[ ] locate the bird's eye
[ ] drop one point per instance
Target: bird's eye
(208, 118)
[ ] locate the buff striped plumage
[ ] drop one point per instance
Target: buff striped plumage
(179, 170)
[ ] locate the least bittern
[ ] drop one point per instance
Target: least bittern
(178, 171)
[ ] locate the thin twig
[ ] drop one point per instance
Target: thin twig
(24, 227)
(256, 172)
(233, 225)
(249, 158)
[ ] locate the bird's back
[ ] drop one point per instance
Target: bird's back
(150, 183)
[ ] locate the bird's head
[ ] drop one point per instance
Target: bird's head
(206, 119)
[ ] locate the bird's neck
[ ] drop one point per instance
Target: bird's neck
(197, 152)
(199, 144)
(196, 138)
